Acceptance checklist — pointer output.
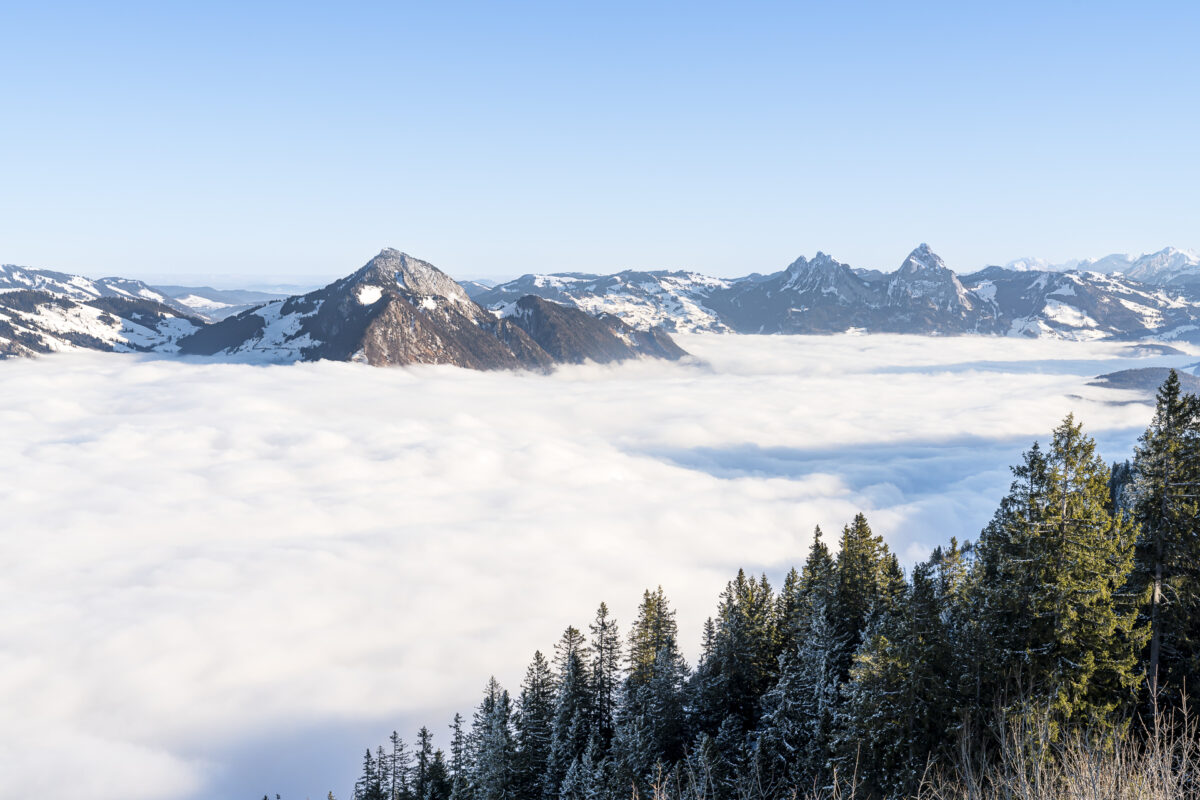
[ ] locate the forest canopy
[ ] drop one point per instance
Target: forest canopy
(1076, 611)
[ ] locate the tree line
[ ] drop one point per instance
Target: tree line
(1077, 609)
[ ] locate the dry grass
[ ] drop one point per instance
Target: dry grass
(1160, 761)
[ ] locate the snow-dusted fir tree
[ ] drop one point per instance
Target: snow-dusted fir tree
(424, 760)
(459, 769)
(491, 734)
(439, 785)
(745, 658)
(605, 648)
(1166, 490)
(650, 725)
(534, 718)
(899, 708)
(369, 786)
(399, 766)
(588, 776)
(794, 742)
(571, 725)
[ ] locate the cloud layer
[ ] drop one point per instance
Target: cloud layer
(223, 580)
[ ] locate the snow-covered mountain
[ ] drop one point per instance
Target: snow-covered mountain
(217, 304)
(400, 310)
(1082, 305)
(395, 310)
(1167, 267)
(923, 295)
(676, 301)
(1031, 264)
(81, 289)
(43, 311)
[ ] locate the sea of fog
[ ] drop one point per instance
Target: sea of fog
(223, 580)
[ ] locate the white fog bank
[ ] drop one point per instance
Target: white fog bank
(225, 581)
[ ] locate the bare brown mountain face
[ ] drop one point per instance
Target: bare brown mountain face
(573, 336)
(400, 310)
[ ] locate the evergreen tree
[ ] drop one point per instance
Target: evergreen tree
(1052, 563)
(1122, 487)
(730, 761)
(952, 587)
(892, 586)
(606, 677)
(785, 730)
(650, 727)
(1167, 565)
(459, 769)
(420, 773)
(795, 741)
(859, 569)
(899, 706)
(383, 762)
(534, 719)
(791, 609)
(818, 579)
(653, 631)
(369, 786)
(439, 786)
(491, 735)
(586, 779)
(706, 688)
(571, 726)
(400, 763)
(745, 653)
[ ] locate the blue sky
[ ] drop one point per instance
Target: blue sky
(184, 141)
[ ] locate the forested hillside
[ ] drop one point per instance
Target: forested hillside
(1073, 616)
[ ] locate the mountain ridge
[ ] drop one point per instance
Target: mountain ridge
(922, 295)
(398, 309)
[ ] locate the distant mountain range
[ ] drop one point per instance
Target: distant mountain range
(400, 310)
(1167, 267)
(923, 295)
(217, 304)
(395, 310)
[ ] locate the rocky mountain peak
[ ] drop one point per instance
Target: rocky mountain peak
(924, 278)
(1169, 266)
(924, 262)
(394, 269)
(803, 264)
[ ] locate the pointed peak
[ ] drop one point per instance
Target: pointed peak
(821, 259)
(391, 254)
(923, 259)
(411, 275)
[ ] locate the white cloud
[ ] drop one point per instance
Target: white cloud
(211, 569)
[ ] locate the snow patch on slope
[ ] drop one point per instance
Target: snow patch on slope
(368, 295)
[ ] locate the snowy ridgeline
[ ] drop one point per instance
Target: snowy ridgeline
(1156, 296)
(401, 310)
(395, 310)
